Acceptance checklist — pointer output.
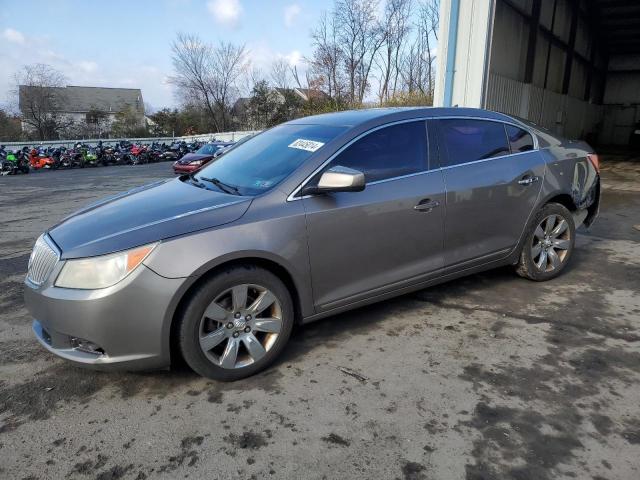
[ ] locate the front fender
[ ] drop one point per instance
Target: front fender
(280, 240)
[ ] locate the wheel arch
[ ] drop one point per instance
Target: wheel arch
(559, 197)
(268, 264)
(563, 199)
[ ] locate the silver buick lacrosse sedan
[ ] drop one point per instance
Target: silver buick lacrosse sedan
(310, 218)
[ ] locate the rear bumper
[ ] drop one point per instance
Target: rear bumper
(129, 322)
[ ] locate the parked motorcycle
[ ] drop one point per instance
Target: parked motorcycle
(105, 155)
(122, 156)
(38, 159)
(89, 156)
(139, 153)
(13, 163)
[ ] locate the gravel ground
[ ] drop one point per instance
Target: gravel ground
(487, 377)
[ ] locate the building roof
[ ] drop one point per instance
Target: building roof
(241, 103)
(83, 99)
(304, 93)
(313, 94)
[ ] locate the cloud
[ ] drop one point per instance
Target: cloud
(13, 36)
(290, 14)
(294, 58)
(225, 12)
(88, 66)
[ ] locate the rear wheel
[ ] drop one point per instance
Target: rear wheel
(236, 323)
(548, 244)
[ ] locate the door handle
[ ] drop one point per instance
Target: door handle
(426, 205)
(528, 180)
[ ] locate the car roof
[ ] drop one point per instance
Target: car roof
(352, 118)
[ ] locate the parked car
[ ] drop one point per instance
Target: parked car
(193, 161)
(310, 218)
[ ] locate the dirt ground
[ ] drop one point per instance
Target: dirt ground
(487, 377)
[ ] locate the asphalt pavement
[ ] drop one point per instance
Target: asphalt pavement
(487, 377)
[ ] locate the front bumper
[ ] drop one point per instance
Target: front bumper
(177, 168)
(129, 321)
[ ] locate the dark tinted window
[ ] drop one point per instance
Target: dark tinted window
(520, 140)
(389, 152)
(470, 140)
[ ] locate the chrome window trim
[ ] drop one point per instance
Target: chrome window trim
(482, 160)
(292, 195)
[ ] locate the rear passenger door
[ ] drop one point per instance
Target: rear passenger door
(492, 177)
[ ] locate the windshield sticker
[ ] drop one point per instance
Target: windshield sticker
(263, 183)
(308, 145)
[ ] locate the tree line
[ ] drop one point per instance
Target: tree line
(364, 53)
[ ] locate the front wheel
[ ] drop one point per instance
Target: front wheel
(548, 243)
(236, 323)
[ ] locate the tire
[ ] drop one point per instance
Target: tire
(234, 334)
(547, 248)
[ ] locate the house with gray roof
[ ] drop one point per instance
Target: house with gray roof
(80, 104)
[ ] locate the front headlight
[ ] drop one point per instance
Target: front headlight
(196, 162)
(101, 272)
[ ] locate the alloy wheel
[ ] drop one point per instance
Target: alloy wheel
(551, 242)
(240, 326)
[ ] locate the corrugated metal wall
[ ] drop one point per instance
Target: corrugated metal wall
(504, 94)
(563, 114)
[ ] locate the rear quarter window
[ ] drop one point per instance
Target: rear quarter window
(519, 139)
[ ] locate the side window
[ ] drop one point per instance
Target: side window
(471, 140)
(520, 140)
(388, 152)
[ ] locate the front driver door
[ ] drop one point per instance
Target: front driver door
(390, 232)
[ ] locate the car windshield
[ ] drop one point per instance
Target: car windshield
(265, 160)
(208, 149)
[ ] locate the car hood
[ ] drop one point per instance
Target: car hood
(144, 215)
(192, 157)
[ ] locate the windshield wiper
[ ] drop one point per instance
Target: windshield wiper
(195, 181)
(222, 186)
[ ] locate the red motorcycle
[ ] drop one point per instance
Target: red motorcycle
(139, 153)
(39, 160)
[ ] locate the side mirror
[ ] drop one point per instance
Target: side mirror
(338, 179)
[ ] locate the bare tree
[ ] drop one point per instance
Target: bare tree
(38, 88)
(397, 27)
(280, 73)
(418, 65)
(328, 59)
(229, 63)
(192, 61)
(361, 36)
(206, 75)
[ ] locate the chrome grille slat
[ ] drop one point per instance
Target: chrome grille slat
(42, 261)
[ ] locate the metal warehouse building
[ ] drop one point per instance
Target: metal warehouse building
(572, 66)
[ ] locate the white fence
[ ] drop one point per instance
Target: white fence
(206, 137)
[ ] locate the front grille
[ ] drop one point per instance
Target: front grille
(42, 261)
